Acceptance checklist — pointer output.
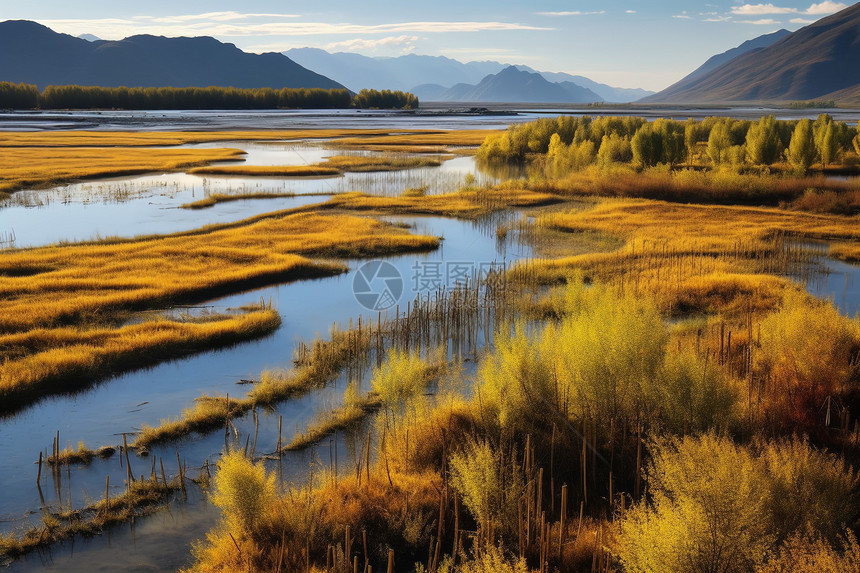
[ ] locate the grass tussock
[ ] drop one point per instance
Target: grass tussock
(718, 504)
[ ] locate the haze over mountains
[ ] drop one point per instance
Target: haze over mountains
(818, 62)
(35, 54)
(509, 85)
(437, 78)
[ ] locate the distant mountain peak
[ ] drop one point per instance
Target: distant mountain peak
(35, 54)
(818, 61)
(440, 78)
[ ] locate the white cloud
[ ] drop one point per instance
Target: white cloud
(683, 16)
(760, 22)
(759, 9)
(117, 28)
(826, 8)
(573, 13)
(801, 21)
(630, 11)
(371, 45)
(719, 19)
(213, 16)
(822, 8)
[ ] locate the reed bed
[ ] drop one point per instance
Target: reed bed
(216, 198)
(316, 365)
(458, 321)
(539, 488)
(269, 170)
(141, 497)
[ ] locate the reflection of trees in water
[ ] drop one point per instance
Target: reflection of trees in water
(502, 170)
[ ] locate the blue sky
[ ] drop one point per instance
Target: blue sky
(625, 43)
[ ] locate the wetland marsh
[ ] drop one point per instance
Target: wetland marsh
(550, 336)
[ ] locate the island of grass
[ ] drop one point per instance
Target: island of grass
(61, 323)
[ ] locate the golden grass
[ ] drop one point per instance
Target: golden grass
(341, 418)
(216, 198)
(42, 286)
(849, 252)
(694, 258)
(388, 163)
(74, 138)
(650, 226)
(460, 137)
(36, 166)
(268, 170)
(65, 359)
(43, 290)
(161, 138)
(467, 203)
(76, 155)
(331, 167)
(700, 186)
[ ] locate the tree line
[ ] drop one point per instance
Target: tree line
(27, 96)
(576, 142)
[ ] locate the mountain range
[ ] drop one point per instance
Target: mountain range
(820, 61)
(509, 85)
(437, 78)
(35, 54)
(817, 62)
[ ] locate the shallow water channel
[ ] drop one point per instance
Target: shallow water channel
(98, 416)
(151, 204)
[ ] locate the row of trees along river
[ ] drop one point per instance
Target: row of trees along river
(27, 96)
